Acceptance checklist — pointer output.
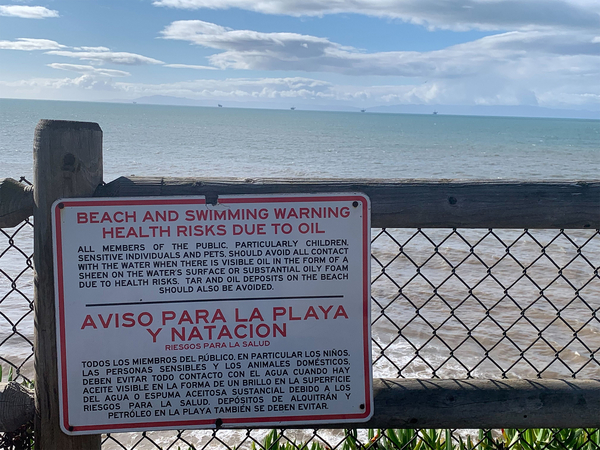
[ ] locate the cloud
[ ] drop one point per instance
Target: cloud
(92, 49)
(104, 56)
(190, 66)
(245, 49)
(499, 69)
(236, 89)
(222, 38)
(277, 91)
(97, 55)
(447, 14)
(493, 90)
(547, 67)
(502, 53)
(27, 44)
(89, 70)
(239, 89)
(548, 42)
(27, 12)
(47, 87)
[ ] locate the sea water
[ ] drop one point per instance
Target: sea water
(147, 140)
(220, 142)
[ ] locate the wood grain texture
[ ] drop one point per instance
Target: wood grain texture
(67, 160)
(16, 202)
(406, 403)
(17, 406)
(539, 403)
(411, 203)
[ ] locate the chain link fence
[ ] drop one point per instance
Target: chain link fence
(446, 303)
(16, 301)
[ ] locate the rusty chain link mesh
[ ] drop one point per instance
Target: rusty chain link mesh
(446, 303)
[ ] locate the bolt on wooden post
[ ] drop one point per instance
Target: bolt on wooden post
(67, 159)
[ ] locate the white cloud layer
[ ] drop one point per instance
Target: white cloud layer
(239, 89)
(59, 88)
(312, 91)
(95, 55)
(190, 66)
(27, 44)
(27, 12)
(236, 88)
(546, 67)
(301, 90)
(550, 57)
(511, 54)
(103, 55)
(92, 49)
(90, 70)
(447, 14)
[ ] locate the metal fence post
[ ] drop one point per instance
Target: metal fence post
(67, 158)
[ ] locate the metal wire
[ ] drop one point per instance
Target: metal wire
(486, 303)
(16, 300)
(446, 303)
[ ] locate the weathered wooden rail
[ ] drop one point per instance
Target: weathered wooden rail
(406, 403)
(394, 203)
(68, 163)
(16, 202)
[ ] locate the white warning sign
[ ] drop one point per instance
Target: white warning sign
(176, 313)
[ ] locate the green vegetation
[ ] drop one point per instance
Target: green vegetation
(11, 376)
(513, 439)
(426, 439)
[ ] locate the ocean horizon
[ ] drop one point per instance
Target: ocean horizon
(155, 140)
(514, 111)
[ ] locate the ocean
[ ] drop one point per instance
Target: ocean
(146, 140)
(221, 142)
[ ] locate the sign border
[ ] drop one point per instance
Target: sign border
(228, 422)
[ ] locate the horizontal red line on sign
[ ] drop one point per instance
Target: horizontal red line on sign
(158, 302)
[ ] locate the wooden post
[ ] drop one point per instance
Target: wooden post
(67, 159)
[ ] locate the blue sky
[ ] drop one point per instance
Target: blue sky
(359, 53)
